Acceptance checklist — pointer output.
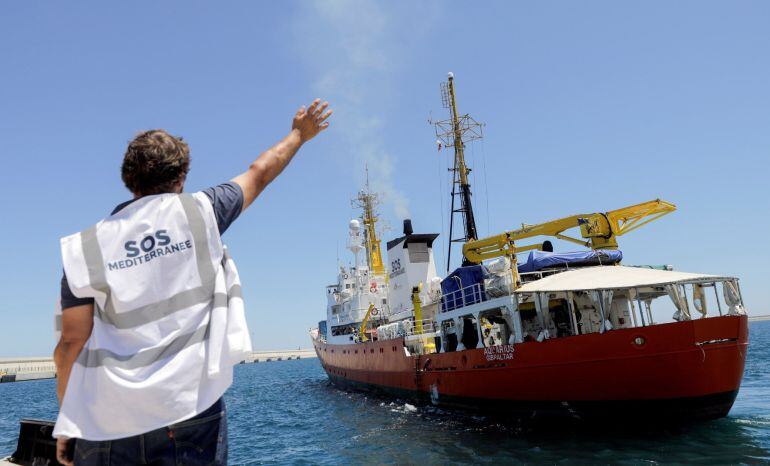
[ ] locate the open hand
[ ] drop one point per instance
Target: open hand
(311, 120)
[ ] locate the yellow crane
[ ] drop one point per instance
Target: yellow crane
(598, 230)
(362, 329)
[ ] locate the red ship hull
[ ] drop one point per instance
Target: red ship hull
(681, 371)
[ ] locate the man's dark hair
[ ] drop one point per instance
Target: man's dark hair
(155, 161)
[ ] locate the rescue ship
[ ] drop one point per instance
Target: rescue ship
(524, 331)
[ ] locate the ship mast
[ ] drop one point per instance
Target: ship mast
(455, 132)
(367, 201)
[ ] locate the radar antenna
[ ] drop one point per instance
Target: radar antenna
(455, 132)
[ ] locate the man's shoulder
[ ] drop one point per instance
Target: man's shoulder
(227, 200)
(226, 191)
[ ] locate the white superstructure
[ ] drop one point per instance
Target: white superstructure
(358, 287)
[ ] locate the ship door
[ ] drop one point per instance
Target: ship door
(448, 336)
(495, 328)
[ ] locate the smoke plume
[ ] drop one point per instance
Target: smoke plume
(348, 45)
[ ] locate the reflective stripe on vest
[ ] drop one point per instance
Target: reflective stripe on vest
(99, 357)
(154, 311)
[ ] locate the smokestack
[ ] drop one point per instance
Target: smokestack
(408, 227)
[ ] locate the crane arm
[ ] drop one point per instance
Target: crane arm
(630, 218)
(599, 230)
(362, 329)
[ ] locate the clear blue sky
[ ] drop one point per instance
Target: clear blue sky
(588, 106)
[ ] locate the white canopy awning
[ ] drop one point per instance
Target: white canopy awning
(610, 277)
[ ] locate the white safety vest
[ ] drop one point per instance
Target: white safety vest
(169, 321)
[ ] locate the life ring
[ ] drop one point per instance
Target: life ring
(373, 288)
(375, 311)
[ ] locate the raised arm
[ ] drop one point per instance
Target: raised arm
(308, 122)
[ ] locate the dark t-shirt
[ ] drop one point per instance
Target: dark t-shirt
(227, 199)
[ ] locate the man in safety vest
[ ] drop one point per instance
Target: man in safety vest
(151, 318)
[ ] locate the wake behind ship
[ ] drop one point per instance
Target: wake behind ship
(567, 334)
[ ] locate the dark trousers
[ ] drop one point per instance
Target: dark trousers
(196, 441)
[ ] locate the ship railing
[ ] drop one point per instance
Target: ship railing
(352, 316)
(466, 296)
(411, 328)
(537, 275)
(420, 339)
(357, 315)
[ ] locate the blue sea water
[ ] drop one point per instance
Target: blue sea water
(287, 413)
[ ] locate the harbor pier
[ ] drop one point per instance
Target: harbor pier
(21, 369)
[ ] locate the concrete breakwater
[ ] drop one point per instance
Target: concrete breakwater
(268, 356)
(21, 369)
